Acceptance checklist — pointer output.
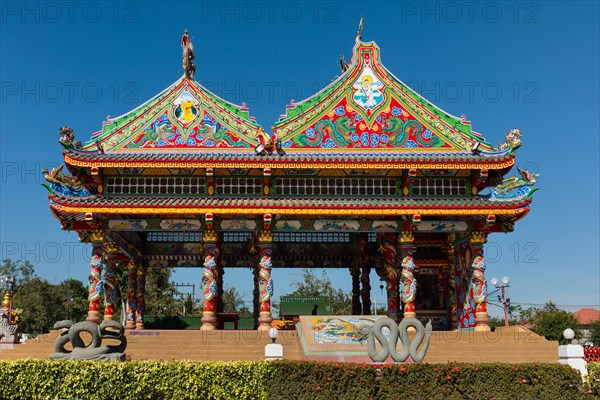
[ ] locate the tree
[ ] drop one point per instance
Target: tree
(232, 300)
(160, 291)
(37, 299)
(550, 322)
(23, 272)
(311, 285)
(73, 296)
(43, 304)
(595, 333)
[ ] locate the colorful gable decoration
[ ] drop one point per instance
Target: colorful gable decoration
(368, 108)
(185, 116)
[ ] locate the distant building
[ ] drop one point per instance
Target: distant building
(586, 317)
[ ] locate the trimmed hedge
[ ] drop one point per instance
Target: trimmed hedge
(39, 379)
(481, 381)
(318, 380)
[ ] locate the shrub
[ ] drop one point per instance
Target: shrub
(318, 380)
(31, 379)
(480, 381)
(40, 379)
(593, 378)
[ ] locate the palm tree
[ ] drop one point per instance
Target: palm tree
(232, 300)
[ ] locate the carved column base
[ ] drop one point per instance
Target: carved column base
(264, 321)
(209, 321)
(109, 312)
(410, 314)
(481, 322)
(93, 316)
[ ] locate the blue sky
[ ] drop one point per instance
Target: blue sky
(531, 65)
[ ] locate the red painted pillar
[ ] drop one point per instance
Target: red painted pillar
(389, 272)
(409, 282)
(453, 311)
(478, 285)
(95, 286)
(209, 280)
(265, 282)
(141, 301)
(131, 295)
(110, 279)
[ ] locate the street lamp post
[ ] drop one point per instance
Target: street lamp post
(505, 284)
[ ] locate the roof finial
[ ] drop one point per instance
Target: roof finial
(360, 28)
(189, 68)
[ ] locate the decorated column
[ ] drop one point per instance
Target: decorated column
(389, 272)
(255, 280)
(209, 276)
(131, 295)
(95, 286)
(365, 281)
(110, 279)
(355, 274)
(256, 294)
(265, 283)
(453, 309)
(220, 273)
(141, 302)
(478, 286)
(408, 280)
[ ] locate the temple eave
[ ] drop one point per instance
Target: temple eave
(218, 161)
(289, 211)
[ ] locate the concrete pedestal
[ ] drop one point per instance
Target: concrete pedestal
(572, 354)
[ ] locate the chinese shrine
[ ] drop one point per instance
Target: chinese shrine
(365, 174)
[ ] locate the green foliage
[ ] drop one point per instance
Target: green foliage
(134, 380)
(23, 272)
(232, 300)
(593, 378)
(595, 333)
(481, 381)
(316, 380)
(159, 296)
(72, 295)
(44, 303)
(550, 322)
(311, 285)
(33, 379)
(187, 306)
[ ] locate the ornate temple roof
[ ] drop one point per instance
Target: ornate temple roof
(366, 116)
